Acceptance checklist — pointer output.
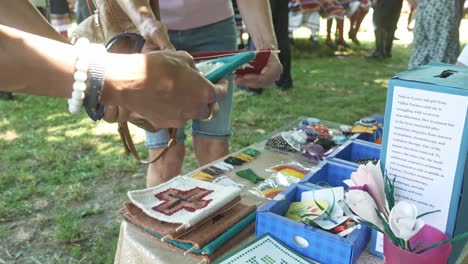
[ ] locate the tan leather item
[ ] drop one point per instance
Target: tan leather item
(129, 147)
(108, 19)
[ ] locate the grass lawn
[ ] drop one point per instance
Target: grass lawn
(63, 177)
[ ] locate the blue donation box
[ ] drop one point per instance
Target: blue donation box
(425, 145)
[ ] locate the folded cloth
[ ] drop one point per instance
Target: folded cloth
(202, 234)
(183, 200)
(210, 251)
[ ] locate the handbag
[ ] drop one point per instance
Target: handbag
(107, 20)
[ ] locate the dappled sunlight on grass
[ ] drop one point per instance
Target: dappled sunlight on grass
(381, 82)
(9, 135)
(103, 128)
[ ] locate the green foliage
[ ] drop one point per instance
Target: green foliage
(389, 188)
(69, 226)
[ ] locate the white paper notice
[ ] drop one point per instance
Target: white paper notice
(425, 133)
(379, 244)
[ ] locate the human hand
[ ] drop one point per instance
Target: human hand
(270, 73)
(142, 15)
(156, 36)
(162, 87)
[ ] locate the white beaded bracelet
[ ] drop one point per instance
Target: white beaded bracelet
(80, 76)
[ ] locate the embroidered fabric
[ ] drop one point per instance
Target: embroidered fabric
(183, 200)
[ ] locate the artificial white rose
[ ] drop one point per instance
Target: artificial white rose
(403, 221)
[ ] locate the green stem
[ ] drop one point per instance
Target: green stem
(406, 245)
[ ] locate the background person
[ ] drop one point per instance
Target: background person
(197, 26)
(385, 18)
(436, 32)
(463, 58)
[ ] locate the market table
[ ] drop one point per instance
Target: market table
(136, 247)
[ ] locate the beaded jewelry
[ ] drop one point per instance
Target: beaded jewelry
(80, 76)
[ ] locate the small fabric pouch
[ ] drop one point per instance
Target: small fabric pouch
(215, 70)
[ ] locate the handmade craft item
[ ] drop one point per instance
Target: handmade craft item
(265, 249)
(322, 130)
(226, 181)
(326, 143)
(251, 152)
(296, 139)
(250, 175)
(278, 144)
(255, 66)
(183, 200)
(201, 175)
(209, 230)
(234, 161)
(213, 171)
(216, 69)
(299, 211)
(211, 251)
(272, 192)
(223, 166)
(173, 231)
(313, 153)
(291, 169)
(244, 157)
(273, 185)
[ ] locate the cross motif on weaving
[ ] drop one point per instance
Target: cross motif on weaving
(176, 200)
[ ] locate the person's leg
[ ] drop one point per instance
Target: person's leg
(211, 138)
(167, 167)
(329, 40)
(389, 36)
(279, 12)
(6, 96)
(352, 26)
(379, 34)
(170, 164)
(356, 20)
(340, 28)
(312, 21)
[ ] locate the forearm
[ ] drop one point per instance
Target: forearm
(22, 15)
(257, 17)
(139, 11)
(35, 65)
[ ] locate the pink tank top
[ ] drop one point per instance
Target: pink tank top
(187, 14)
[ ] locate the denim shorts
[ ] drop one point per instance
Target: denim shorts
(214, 37)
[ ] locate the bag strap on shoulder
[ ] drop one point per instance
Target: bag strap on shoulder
(91, 6)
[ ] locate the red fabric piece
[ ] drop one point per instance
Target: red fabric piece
(176, 200)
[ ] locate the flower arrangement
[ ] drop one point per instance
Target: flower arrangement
(371, 198)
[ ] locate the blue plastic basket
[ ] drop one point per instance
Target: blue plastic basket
(311, 242)
(354, 150)
(331, 172)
